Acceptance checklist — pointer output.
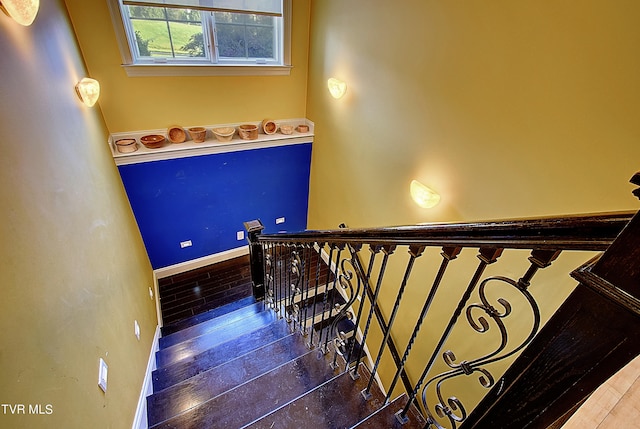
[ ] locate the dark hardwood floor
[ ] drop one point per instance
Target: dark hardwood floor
(197, 291)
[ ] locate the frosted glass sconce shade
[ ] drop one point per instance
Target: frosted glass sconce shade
(22, 11)
(424, 196)
(337, 88)
(88, 90)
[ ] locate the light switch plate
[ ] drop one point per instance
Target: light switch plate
(136, 329)
(102, 375)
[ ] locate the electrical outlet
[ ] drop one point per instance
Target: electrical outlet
(102, 375)
(184, 244)
(240, 235)
(280, 220)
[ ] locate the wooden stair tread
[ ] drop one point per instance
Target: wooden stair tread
(186, 368)
(336, 404)
(187, 394)
(249, 401)
(208, 315)
(213, 338)
(208, 326)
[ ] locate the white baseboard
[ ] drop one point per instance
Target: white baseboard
(140, 419)
(201, 262)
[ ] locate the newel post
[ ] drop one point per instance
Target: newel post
(594, 333)
(256, 257)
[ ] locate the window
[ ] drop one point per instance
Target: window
(179, 37)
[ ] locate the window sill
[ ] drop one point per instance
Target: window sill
(209, 146)
(141, 70)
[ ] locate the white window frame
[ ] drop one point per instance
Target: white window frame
(198, 67)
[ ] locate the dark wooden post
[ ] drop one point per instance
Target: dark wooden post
(593, 334)
(256, 257)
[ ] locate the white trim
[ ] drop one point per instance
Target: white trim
(140, 418)
(209, 146)
(142, 70)
(200, 262)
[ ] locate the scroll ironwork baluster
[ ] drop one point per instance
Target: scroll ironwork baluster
(325, 332)
(363, 279)
(452, 408)
(346, 275)
(487, 256)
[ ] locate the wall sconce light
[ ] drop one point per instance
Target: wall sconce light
(88, 90)
(337, 88)
(22, 11)
(424, 196)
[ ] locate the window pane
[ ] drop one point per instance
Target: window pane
(245, 36)
(166, 32)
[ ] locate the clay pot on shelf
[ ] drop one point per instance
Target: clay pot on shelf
(286, 129)
(303, 128)
(198, 134)
(248, 132)
(269, 127)
(224, 134)
(176, 134)
(126, 145)
(152, 141)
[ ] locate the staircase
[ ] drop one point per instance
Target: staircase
(298, 354)
(242, 365)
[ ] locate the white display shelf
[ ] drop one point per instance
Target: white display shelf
(210, 146)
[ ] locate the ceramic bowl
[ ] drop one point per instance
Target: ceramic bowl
(126, 145)
(248, 132)
(198, 134)
(176, 134)
(286, 129)
(152, 141)
(224, 134)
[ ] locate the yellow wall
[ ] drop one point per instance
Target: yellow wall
(506, 108)
(73, 270)
(143, 103)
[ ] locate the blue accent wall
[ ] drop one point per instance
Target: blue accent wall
(207, 198)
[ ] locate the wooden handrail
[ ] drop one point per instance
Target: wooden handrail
(595, 332)
(579, 232)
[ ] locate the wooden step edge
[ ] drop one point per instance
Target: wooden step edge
(212, 338)
(219, 355)
(207, 385)
(179, 325)
(211, 325)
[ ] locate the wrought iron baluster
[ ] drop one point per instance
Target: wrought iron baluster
(415, 251)
(387, 250)
(297, 273)
(452, 408)
(448, 254)
(363, 279)
(326, 288)
(326, 331)
(341, 339)
(269, 276)
(487, 256)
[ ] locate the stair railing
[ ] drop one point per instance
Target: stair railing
(329, 284)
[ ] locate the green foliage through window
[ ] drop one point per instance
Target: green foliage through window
(170, 34)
